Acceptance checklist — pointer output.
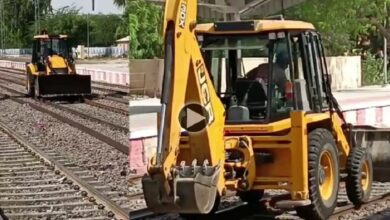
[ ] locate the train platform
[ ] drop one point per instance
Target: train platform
(117, 65)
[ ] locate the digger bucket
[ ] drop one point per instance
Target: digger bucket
(191, 194)
(63, 85)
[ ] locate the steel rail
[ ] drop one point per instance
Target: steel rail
(87, 101)
(97, 196)
(119, 146)
(95, 85)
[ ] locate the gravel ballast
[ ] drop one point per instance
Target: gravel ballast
(107, 164)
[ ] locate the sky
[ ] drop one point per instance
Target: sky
(101, 6)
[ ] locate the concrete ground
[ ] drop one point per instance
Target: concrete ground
(116, 65)
(364, 97)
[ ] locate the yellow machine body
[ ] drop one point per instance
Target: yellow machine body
(192, 170)
(52, 71)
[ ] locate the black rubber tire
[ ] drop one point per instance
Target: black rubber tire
(320, 140)
(355, 192)
(36, 88)
(30, 88)
(252, 196)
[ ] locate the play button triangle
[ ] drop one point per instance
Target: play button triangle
(193, 117)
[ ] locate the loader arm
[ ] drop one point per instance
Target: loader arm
(186, 81)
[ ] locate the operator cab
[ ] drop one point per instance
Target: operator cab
(257, 66)
(47, 46)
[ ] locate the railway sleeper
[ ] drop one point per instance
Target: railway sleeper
(17, 154)
(46, 201)
(11, 165)
(42, 194)
(28, 177)
(30, 183)
(26, 168)
(24, 160)
(22, 173)
(46, 187)
(55, 206)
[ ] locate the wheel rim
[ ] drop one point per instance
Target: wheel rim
(326, 179)
(365, 176)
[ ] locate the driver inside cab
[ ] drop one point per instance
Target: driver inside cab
(279, 77)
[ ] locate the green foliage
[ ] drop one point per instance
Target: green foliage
(68, 21)
(120, 3)
(19, 24)
(104, 29)
(19, 21)
(372, 70)
(144, 29)
(340, 22)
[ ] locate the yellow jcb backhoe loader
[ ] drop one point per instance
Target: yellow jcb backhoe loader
(52, 72)
(247, 106)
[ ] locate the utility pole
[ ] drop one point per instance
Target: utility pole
(87, 35)
(93, 9)
(37, 17)
(385, 49)
(2, 32)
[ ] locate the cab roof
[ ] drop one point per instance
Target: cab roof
(45, 36)
(252, 26)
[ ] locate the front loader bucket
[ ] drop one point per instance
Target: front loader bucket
(64, 85)
(191, 194)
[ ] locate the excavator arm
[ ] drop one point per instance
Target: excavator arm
(194, 183)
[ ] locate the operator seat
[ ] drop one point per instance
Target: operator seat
(251, 101)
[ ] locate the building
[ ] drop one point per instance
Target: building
(123, 43)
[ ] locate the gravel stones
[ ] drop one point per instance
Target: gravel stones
(104, 162)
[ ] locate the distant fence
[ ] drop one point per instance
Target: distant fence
(15, 52)
(104, 52)
(93, 52)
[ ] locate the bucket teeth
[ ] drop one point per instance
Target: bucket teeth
(191, 171)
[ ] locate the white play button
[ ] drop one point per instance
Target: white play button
(193, 118)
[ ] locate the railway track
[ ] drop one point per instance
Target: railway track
(43, 108)
(89, 102)
(95, 85)
(244, 211)
(103, 90)
(34, 184)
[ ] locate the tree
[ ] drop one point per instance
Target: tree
(104, 29)
(19, 17)
(144, 29)
(342, 22)
(67, 20)
(120, 3)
